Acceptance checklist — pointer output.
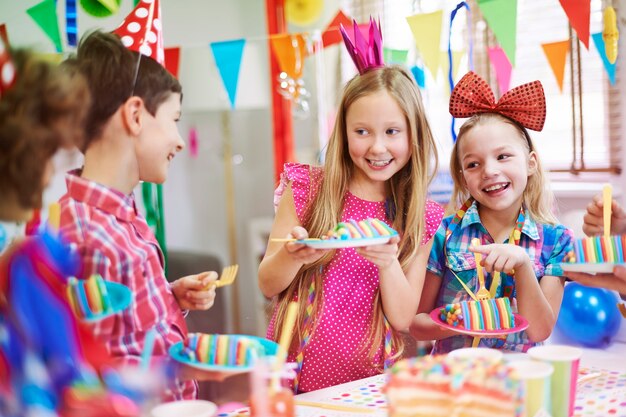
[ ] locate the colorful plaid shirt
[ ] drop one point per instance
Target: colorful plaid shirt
(546, 246)
(114, 240)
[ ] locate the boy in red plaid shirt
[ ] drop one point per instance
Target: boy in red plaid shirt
(131, 136)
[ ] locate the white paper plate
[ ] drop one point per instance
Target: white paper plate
(344, 243)
(589, 268)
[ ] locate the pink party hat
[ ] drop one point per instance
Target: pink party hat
(366, 55)
(7, 68)
(141, 30)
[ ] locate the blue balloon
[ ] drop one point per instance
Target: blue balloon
(589, 315)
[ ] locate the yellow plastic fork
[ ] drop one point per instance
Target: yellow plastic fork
(228, 276)
(483, 293)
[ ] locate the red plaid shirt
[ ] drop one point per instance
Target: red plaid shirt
(115, 241)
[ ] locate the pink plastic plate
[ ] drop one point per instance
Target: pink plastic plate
(520, 324)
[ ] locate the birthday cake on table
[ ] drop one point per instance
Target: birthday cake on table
(364, 229)
(433, 386)
(221, 349)
(491, 314)
(597, 249)
(89, 298)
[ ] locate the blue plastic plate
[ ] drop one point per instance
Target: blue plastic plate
(268, 348)
(120, 297)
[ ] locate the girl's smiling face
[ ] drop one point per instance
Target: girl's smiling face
(496, 164)
(378, 139)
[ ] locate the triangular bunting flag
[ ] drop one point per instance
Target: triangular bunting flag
(502, 67)
(172, 58)
(111, 5)
(395, 56)
(426, 28)
(556, 52)
(419, 75)
(227, 57)
(141, 30)
(501, 16)
(45, 15)
(610, 68)
(579, 13)
(456, 63)
(331, 34)
(290, 52)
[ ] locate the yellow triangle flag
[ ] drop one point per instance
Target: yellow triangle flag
(426, 28)
(456, 61)
(556, 52)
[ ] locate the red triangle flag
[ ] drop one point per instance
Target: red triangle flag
(578, 12)
(331, 34)
(141, 30)
(172, 58)
(7, 69)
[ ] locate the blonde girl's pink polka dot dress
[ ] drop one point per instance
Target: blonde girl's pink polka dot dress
(335, 353)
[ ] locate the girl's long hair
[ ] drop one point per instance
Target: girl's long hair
(406, 194)
(537, 197)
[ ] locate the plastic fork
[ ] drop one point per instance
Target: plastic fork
(227, 277)
(483, 292)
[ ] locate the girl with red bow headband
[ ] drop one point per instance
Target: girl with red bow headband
(499, 181)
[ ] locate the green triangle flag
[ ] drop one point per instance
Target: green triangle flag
(501, 16)
(45, 15)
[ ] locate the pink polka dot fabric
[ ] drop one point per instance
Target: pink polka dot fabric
(333, 354)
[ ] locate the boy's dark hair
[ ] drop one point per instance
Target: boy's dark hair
(44, 110)
(110, 69)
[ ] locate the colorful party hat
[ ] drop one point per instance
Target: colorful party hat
(141, 30)
(366, 55)
(7, 68)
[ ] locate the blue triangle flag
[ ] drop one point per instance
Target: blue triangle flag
(227, 57)
(418, 74)
(610, 68)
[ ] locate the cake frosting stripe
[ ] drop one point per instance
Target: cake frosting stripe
(222, 350)
(353, 229)
(491, 314)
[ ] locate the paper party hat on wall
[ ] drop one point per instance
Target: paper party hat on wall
(141, 30)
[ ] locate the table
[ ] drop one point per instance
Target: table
(601, 392)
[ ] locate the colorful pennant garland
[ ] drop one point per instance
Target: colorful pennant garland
(579, 13)
(426, 29)
(227, 57)
(501, 16)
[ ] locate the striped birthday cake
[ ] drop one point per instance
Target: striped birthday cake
(89, 298)
(491, 314)
(597, 249)
(353, 229)
(221, 349)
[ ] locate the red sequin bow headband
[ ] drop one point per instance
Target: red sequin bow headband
(526, 104)
(366, 55)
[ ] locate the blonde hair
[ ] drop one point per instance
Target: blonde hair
(537, 197)
(407, 190)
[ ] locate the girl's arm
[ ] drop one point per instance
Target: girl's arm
(282, 261)
(422, 326)
(538, 302)
(400, 293)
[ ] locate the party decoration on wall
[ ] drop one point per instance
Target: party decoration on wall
(141, 30)
(101, 8)
(227, 57)
(598, 40)
(426, 29)
(578, 12)
(556, 52)
(303, 12)
(290, 51)
(193, 141)
(45, 15)
(588, 315)
(418, 74)
(7, 69)
(172, 59)
(610, 34)
(71, 29)
(501, 16)
(331, 34)
(444, 63)
(3, 33)
(395, 56)
(502, 67)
